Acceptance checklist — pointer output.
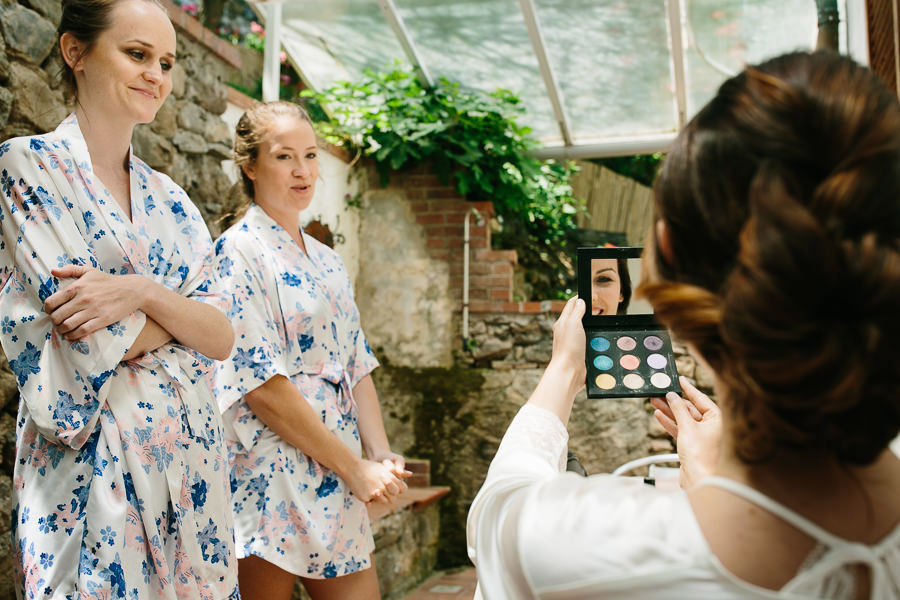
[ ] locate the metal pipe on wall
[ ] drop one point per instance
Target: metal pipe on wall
(479, 220)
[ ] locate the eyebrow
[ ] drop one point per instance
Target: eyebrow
(604, 270)
(148, 45)
(291, 148)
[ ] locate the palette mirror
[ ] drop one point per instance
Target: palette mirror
(628, 353)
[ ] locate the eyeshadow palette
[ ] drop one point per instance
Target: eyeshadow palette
(628, 353)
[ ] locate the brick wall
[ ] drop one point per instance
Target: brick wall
(441, 212)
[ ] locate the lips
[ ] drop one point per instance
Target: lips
(148, 93)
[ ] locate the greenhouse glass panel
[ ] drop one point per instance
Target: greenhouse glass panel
(336, 40)
(484, 45)
(724, 35)
(612, 60)
(613, 64)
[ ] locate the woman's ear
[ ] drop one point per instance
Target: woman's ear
(249, 170)
(664, 241)
(72, 50)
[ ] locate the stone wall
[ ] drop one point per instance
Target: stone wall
(448, 403)
(456, 416)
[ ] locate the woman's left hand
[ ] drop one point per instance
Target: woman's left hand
(393, 461)
(93, 301)
(695, 422)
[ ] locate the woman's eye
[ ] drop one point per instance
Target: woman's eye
(136, 54)
(166, 66)
(602, 280)
(283, 157)
(312, 155)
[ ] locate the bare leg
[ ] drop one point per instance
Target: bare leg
(362, 585)
(261, 580)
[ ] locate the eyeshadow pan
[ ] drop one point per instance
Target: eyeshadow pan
(626, 343)
(657, 361)
(600, 344)
(653, 342)
(606, 381)
(630, 362)
(633, 381)
(660, 380)
(603, 362)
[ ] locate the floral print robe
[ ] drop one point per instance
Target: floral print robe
(294, 315)
(120, 486)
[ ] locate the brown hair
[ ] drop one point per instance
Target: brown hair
(252, 128)
(782, 202)
(85, 20)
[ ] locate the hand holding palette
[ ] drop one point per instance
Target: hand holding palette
(628, 353)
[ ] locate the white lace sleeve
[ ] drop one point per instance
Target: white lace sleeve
(533, 450)
(536, 431)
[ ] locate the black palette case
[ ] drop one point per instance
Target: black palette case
(627, 356)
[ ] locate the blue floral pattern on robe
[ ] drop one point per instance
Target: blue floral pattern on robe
(120, 480)
(294, 315)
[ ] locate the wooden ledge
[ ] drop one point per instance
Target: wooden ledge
(414, 498)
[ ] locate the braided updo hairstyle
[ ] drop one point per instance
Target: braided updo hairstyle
(782, 202)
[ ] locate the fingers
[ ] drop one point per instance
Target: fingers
(574, 308)
(579, 308)
(660, 404)
(378, 496)
(397, 465)
(667, 422)
(679, 408)
(84, 330)
(70, 271)
(568, 308)
(698, 399)
(54, 301)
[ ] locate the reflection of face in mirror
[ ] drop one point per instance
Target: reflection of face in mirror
(610, 286)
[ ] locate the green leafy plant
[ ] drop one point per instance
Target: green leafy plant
(642, 168)
(472, 140)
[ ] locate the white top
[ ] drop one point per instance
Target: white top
(536, 532)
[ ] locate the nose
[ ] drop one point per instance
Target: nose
(301, 169)
(153, 73)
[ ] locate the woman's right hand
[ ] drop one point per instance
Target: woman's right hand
(373, 481)
(92, 300)
(569, 338)
(694, 421)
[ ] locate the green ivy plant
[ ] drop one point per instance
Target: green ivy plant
(472, 140)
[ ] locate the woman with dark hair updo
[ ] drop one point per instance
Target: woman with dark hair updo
(775, 257)
(296, 394)
(120, 474)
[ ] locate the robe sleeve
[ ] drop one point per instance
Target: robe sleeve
(200, 281)
(259, 344)
(63, 384)
(362, 360)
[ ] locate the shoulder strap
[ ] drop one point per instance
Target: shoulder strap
(783, 512)
(885, 582)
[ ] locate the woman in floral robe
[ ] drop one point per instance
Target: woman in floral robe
(298, 402)
(120, 486)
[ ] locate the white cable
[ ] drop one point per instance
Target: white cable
(647, 460)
